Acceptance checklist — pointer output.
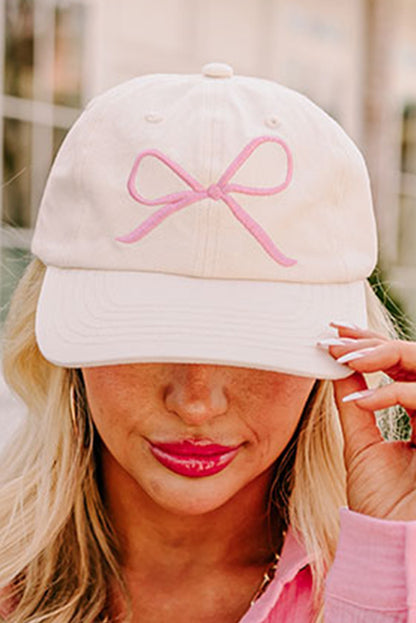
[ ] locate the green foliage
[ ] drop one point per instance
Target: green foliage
(394, 423)
(396, 308)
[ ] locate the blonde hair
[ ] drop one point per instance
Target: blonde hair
(58, 551)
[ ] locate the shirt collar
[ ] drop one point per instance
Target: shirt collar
(293, 558)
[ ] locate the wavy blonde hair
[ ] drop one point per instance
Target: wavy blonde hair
(58, 551)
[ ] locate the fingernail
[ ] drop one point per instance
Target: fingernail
(357, 395)
(335, 341)
(345, 325)
(358, 354)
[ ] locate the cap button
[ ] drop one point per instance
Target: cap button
(217, 70)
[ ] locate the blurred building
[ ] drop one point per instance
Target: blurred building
(355, 58)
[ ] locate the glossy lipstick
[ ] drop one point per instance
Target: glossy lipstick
(194, 459)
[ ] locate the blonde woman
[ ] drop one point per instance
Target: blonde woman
(193, 340)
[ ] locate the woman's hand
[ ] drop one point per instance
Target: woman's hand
(381, 475)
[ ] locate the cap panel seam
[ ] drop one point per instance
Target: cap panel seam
(210, 209)
(192, 166)
(340, 195)
(211, 204)
(337, 253)
(217, 213)
(200, 213)
(207, 161)
(80, 171)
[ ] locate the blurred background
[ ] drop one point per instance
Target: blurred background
(354, 58)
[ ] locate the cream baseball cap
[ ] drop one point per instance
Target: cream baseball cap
(209, 218)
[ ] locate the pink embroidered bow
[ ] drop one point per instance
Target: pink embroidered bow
(221, 190)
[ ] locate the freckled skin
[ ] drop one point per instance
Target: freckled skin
(185, 541)
(133, 403)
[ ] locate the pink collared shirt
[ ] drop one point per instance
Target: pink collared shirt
(372, 579)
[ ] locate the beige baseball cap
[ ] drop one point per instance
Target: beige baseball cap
(204, 217)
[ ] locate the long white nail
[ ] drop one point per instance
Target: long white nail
(358, 354)
(357, 395)
(345, 325)
(335, 341)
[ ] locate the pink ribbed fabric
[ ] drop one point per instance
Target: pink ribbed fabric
(372, 580)
(410, 562)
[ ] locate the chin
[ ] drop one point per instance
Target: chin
(191, 497)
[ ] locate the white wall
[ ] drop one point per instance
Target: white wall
(315, 47)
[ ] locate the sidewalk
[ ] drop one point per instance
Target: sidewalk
(11, 413)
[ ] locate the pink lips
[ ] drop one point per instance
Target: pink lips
(194, 459)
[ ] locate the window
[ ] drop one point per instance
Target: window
(42, 74)
(408, 188)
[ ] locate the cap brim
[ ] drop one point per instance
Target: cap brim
(95, 317)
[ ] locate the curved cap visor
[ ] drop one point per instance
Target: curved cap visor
(95, 317)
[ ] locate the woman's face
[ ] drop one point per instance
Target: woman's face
(192, 436)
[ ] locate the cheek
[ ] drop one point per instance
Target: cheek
(277, 415)
(274, 434)
(110, 410)
(116, 395)
(111, 428)
(118, 431)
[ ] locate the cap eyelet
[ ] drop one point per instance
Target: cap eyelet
(272, 121)
(154, 117)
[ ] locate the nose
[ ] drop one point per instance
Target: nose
(196, 393)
